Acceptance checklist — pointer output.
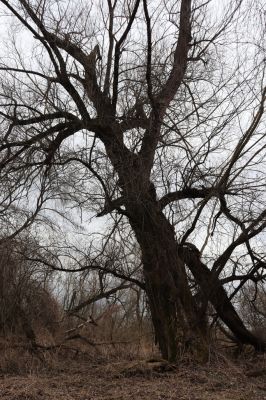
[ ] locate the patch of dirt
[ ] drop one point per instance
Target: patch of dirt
(145, 380)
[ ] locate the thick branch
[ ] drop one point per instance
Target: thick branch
(177, 73)
(188, 193)
(169, 90)
(118, 54)
(99, 296)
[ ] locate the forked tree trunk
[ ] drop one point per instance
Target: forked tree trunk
(175, 315)
(172, 307)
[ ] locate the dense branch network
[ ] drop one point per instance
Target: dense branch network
(151, 130)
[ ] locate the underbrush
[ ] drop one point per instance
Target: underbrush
(19, 357)
(55, 355)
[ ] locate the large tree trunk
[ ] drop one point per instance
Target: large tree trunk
(213, 291)
(172, 306)
(171, 303)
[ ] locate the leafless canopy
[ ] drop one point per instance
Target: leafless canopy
(149, 114)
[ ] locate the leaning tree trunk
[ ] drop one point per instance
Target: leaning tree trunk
(213, 291)
(171, 303)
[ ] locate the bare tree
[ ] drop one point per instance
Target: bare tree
(152, 112)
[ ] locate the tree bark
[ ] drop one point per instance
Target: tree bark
(171, 303)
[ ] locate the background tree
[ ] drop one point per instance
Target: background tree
(26, 300)
(152, 112)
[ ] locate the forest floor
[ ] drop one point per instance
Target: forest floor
(84, 379)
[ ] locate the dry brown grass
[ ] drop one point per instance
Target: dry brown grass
(78, 372)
